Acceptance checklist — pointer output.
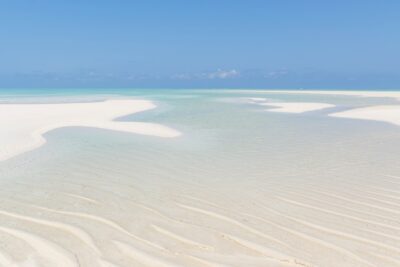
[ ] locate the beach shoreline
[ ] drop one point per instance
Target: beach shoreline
(309, 190)
(384, 113)
(25, 124)
(361, 93)
(289, 107)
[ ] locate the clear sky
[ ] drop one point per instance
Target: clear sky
(200, 44)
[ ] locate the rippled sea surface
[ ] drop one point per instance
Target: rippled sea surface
(243, 186)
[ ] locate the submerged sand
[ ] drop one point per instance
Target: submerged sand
(289, 107)
(118, 210)
(384, 113)
(23, 125)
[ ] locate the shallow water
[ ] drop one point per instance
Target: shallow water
(242, 187)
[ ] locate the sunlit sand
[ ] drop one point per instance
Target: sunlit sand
(23, 125)
(256, 182)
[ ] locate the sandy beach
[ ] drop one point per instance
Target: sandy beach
(382, 93)
(23, 125)
(297, 107)
(289, 107)
(384, 113)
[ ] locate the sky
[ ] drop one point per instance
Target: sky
(341, 44)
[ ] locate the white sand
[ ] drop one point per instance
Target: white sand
(102, 213)
(23, 125)
(256, 99)
(385, 113)
(390, 94)
(297, 107)
(289, 107)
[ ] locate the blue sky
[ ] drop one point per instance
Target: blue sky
(200, 44)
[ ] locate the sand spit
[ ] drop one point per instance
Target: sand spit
(389, 94)
(23, 125)
(288, 107)
(386, 113)
(297, 107)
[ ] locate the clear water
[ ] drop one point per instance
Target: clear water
(233, 155)
(220, 130)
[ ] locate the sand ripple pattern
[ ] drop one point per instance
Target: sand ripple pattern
(172, 203)
(354, 226)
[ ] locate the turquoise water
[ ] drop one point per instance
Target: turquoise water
(219, 121)
(234, 158)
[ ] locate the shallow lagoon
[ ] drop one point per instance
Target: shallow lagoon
(242, 187)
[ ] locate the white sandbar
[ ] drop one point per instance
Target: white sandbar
(289, 107)
(297, 107)
(389, 94)
(23, 125)
(385, 113)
